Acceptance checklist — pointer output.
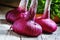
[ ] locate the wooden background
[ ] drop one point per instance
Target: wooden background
(10, 3)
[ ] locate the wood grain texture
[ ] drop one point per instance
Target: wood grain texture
(7, 35)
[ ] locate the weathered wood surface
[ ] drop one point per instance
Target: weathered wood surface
(10, 35)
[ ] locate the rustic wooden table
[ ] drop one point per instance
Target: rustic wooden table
(10, 35)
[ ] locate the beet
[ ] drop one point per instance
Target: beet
(14, 14)
(46, 23)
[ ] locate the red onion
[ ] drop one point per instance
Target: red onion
(47, 24)
(26, 25)
(27, 28)
(14, 14)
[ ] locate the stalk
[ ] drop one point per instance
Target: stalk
(47, 9)
(33, 9)
(23, 4)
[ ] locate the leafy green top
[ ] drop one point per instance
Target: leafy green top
(55, 7)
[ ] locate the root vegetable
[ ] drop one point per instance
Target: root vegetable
(27, 26)
(46, 23)
(14, 14)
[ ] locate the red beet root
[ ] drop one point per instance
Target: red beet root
(14, 14)
(47, 24)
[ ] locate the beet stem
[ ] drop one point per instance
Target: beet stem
(33, 8)
(47, 9)
(23, 4)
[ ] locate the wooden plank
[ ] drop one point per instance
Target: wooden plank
(57, 33)
(48, 37)
(28, 38)
(5, 27)
(7, 35)
(54, 36)
(40, 37)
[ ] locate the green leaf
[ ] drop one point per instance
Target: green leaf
(55, 7)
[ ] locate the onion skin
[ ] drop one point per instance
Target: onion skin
(14, 14)
(19, 13)
(28, 28)
(47, 25)
(26, 25)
